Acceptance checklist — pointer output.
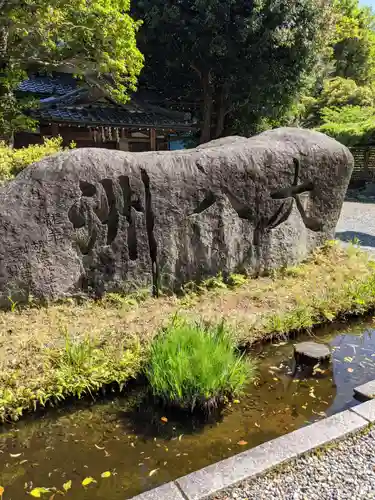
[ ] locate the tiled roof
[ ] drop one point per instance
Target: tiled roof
(65, 102)
(49, 85)
(106, 115)
(72, 98)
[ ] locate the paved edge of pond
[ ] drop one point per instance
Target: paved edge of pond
(365, 391)
(256, 461)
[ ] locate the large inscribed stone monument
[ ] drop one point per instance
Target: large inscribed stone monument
(94, 220)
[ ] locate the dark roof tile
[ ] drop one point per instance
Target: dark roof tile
(49, 85)
(102, 115)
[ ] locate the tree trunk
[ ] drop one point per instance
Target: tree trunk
(207, 108)
(221, 110)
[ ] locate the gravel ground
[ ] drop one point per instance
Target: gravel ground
(345, 471)
(357, 221)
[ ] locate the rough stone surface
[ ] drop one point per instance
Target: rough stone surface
(94, 220)
(343, 472)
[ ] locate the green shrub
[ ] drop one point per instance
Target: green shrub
(351, 125)
(192, 366)
(12, 161)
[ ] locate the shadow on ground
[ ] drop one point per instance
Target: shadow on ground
(360, 199)
(366, 240)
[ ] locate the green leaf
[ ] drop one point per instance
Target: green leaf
(38, 492)
(67, 485)
(88, 480)
(105, 474)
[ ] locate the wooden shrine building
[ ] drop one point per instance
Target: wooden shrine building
(85, 114)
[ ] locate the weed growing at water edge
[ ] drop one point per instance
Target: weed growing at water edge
(193, 366)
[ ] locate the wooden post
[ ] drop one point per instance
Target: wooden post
(54, 129)
(152, 139)
(366, 163)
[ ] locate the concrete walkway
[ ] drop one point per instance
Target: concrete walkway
(346, 471)
(357, 221)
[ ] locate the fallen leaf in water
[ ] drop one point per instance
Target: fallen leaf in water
(276, 379)
(1, 491)
(236, 401)
(242, 442)
(105, 474)
(15, 455)
(165, 463)
(304, 407)
(67, 485)
(164, 419)
(311, 393)
(350, 370)
(99, 447)
(154, 471)
(88, 480)
(180, 437)
(348, 359)
(38, 492)
(106, 454)
(318, 370)
(257, 425)
(23, 462)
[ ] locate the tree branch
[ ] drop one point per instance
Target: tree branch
(194, 67)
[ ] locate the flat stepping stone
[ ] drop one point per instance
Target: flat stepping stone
(365, 391)
(310, 353)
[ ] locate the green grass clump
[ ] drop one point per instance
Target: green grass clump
(192, 366)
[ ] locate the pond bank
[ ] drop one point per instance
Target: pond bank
(50, 353)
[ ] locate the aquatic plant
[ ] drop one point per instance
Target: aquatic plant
(196, 366)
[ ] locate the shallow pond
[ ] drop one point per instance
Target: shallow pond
(141, 450)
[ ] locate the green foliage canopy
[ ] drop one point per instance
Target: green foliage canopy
(236, 61)
(351, 125)
(96, 39)
(342, 102)
(354, 42)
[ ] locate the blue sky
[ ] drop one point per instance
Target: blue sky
(370, 3)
